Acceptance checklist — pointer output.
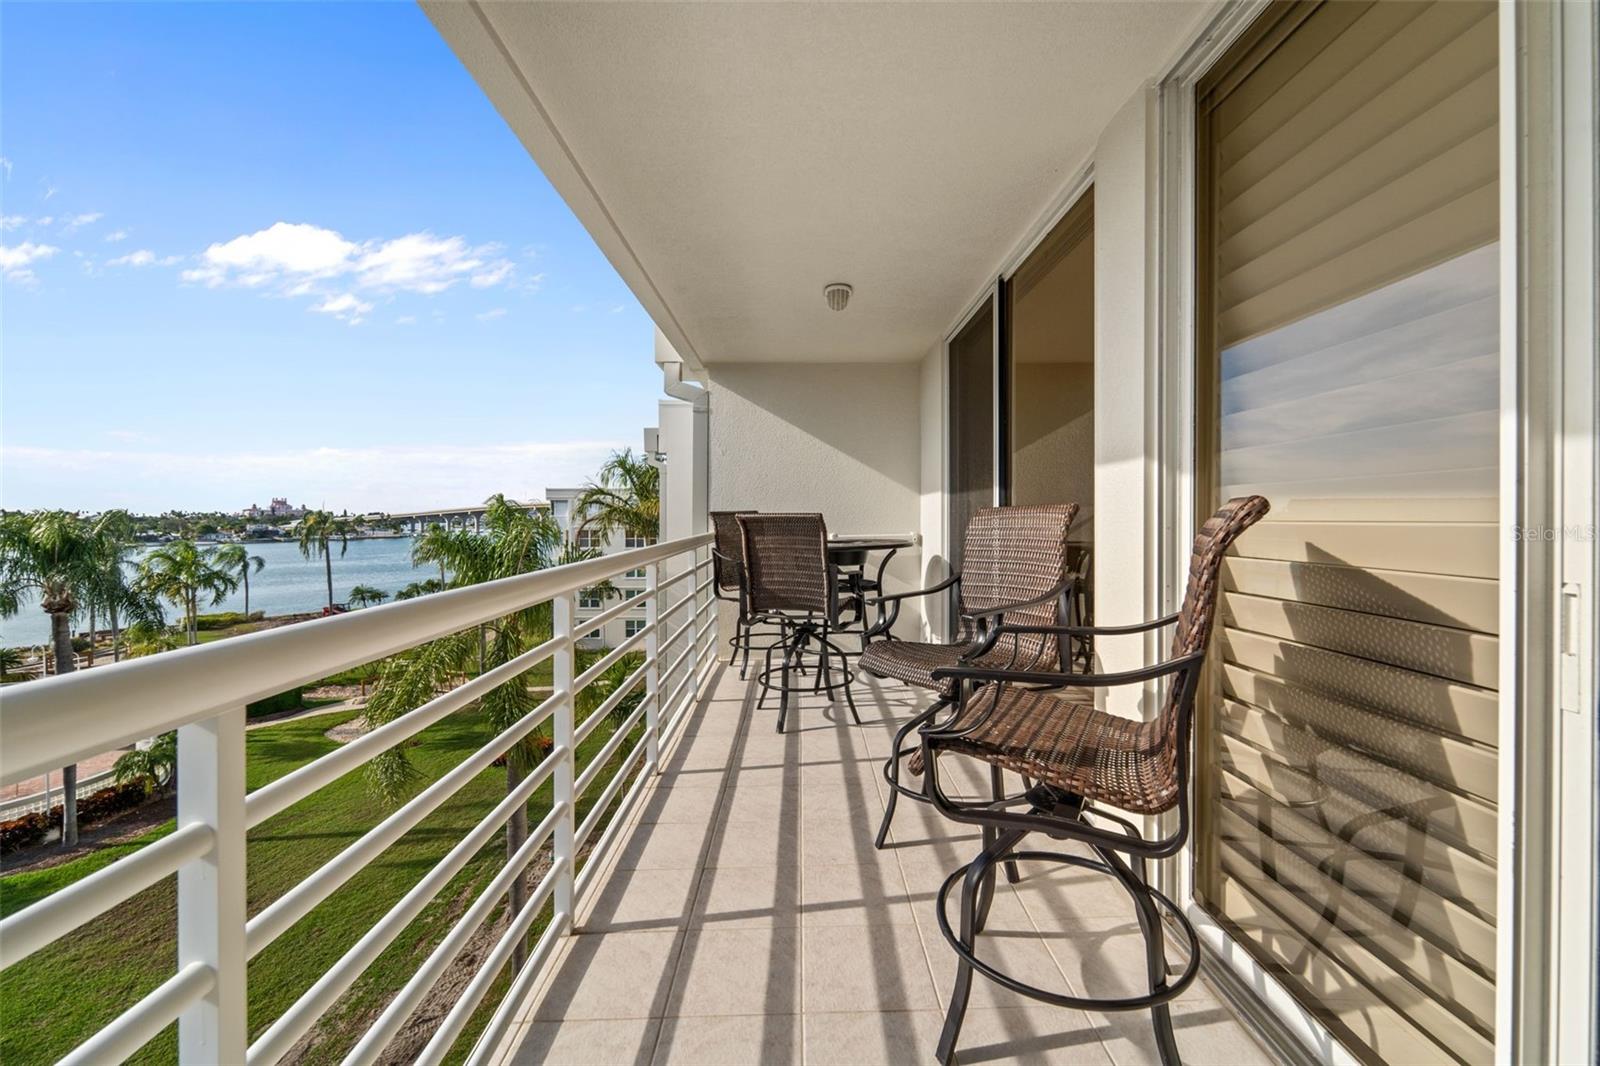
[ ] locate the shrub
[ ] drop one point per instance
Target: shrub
(23, 832)
(226, 619)
(283, 701)
(29, 829)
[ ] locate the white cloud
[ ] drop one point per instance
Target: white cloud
(5, 164)
(494, 275)
(406, 320)
(12, 221)
(143, 257)
(346, 307)
(76, 221)
(44, 220)
(49, 191)
(284, 248)
(491, 314)
(15, 260)
(393, 478)
(297, 254)
(116, 235)
(618, 309)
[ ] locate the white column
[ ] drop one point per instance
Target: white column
(566, 770)
(211, 891)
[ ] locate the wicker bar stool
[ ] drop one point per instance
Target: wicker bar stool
(1014, 567)
(790, 584)
(1081, 761)
(728, 568)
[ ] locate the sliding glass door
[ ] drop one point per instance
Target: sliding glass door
(973, 386)
(1348, 340)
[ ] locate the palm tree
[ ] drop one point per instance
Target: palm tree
(109, 588)
(318, 531)
(183, 575)
(512, 542)
(236, 558)
(155, 765)
(626, 497)
(434, 546)
(366, 596)
(419, 588)
(53, 554)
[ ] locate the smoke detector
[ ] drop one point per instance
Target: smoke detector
(837, 295)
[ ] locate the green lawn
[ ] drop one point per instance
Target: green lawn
(53, 1000)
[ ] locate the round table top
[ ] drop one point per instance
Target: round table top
(868, 544)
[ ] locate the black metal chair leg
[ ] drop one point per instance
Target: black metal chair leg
(891, 767)
(844, 668)
(749, 635)
(1144, 908)
(997, 785)
(986, 888)
(783, 690)
(956, 1012)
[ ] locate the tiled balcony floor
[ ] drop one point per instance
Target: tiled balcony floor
(747, 918)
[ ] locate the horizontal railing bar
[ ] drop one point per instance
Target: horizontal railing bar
(672, 698)
(299, 901)
(678, 634)
(56, 721)
(319, 773)
(615, 611)
(624, 768)
(609, 749)
(608, 660)
(34, 927)
(500, 1021)
(293, 1023)
(598, 715)
(667, 582)
(703, 669)
(454, 1021)
(143, 1022)
(381, 1032)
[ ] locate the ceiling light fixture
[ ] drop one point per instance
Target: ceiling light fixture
(837, 294)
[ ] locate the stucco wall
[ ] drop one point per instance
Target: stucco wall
(841, 439)
(1125, 403)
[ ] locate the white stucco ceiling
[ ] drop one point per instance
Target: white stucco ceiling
(732, 159)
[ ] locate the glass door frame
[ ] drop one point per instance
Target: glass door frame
(993, 301)
(1548, 70)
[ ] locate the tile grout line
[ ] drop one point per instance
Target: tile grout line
(683, 740)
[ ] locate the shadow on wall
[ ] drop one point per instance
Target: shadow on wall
(1357, 783)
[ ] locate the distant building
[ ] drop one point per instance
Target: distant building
(563, 509)
(279, 508)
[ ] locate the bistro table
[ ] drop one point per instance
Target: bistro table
(848, 556)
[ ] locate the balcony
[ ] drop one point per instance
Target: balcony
(698, 887)
(746, 917)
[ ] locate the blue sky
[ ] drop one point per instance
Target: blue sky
(288, 249)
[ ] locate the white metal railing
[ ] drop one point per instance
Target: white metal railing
(202, 693)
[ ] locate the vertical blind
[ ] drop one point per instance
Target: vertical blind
(1349, 330)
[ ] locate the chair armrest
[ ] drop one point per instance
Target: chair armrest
(982, 674)
(892, 597)
(1081, 631)
(1042, 598)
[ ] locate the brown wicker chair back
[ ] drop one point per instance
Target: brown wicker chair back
(1195, 617)
(786, 563)
(729, 558)
(1013, 554)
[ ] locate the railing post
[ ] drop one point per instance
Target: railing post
(652, 670)
(211, 890)
(565, 774)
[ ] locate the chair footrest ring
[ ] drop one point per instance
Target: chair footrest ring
(1156, 998)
